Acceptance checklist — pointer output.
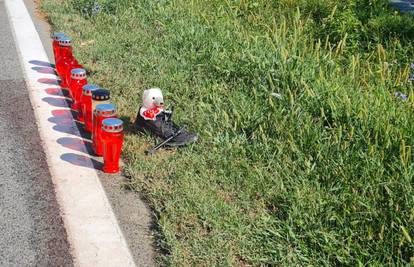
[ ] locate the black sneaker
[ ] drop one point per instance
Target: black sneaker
(163, 127)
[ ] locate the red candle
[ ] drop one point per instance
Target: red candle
(65, 60)
(102, 111)
(78, 80)
(72, 65)
(56, 50)
(100, 96)
(86, 105)
(112, 140)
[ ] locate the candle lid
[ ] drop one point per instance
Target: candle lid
(105, 110)
(58, 35)
(87, 89)
(101, 94)
(65, 41)
(78, 74)
(112, 125)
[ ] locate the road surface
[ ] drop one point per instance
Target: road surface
(31, 229)
(403, 5)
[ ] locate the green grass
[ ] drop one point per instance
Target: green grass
(321, 176)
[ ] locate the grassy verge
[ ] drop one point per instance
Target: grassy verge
(322, 175)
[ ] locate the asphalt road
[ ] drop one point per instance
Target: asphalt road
(403, 5)
(31, 228)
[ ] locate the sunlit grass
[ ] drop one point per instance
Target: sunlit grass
(322, 175)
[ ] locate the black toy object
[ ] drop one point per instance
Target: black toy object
(163, 143)
(164, 128)
(152, 118)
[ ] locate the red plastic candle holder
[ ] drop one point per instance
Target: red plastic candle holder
(86, 105)
(78, 80)
(112, 140)
(65, 60)
(64, 52)
(68, 75)
(102, 111)
(101, 96)
(56, 49)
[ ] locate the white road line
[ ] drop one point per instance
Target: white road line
(93, 231)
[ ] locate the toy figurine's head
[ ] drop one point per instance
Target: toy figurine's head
(152, 98)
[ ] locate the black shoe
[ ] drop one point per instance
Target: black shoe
(163, 127)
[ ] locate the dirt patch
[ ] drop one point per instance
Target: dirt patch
(38, 11)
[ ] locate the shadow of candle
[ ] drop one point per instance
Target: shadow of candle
(56, 102)
(57, 92)
(44, 70)
(48, 81)
(82, 161)
(76, 144)
(42, 63)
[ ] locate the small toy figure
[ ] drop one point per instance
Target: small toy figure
(152, 104)
(153, 119)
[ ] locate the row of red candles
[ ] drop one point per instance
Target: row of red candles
(91, 103)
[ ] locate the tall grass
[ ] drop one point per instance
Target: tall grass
(322, 175)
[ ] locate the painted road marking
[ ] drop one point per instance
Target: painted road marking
(93, 231)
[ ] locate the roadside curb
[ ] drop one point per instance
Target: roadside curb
(93, 231)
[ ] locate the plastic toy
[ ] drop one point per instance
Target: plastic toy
(112, 140)
(163, 143)
(153, 119)
(152, 104)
